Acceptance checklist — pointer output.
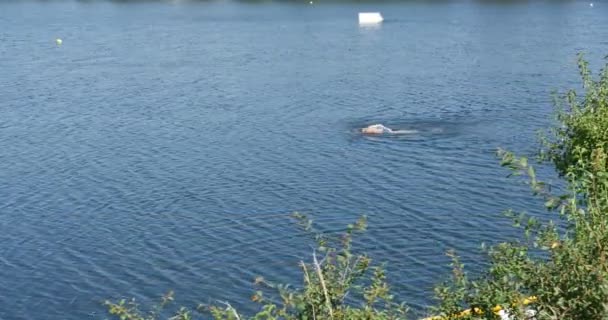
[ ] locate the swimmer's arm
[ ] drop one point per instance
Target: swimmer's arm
(404, 131)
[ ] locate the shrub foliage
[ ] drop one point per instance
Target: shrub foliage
(561, 273)
(337, 284)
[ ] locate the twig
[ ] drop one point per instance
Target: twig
(307, 279)
(320, 274)
(229, 307)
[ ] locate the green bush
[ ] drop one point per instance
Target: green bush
(565, 272)
(582, 134)
(334, 274)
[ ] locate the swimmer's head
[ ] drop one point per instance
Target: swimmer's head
(374, 129)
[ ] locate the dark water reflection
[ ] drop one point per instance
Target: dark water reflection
(163, 146)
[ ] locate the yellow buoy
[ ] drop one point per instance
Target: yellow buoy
(58, 41)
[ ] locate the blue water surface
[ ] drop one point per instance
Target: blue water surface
(164, 144)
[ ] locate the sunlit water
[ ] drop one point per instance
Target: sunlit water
(163, 146)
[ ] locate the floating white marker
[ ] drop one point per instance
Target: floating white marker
(58, 41)
(311, 2)
(591, 4)
(370, 17)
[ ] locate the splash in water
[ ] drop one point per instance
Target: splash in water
(382, 129)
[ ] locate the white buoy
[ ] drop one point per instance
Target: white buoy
(58, 41)
(311, 2)
(591, 4)
(370, 17)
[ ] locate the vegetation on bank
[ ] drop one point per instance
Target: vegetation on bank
(565, 269)
(336, 275)
(550, 273)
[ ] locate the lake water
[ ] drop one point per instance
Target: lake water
(164, 145)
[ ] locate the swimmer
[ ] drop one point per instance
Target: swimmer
(381, 129)
(376, 129)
